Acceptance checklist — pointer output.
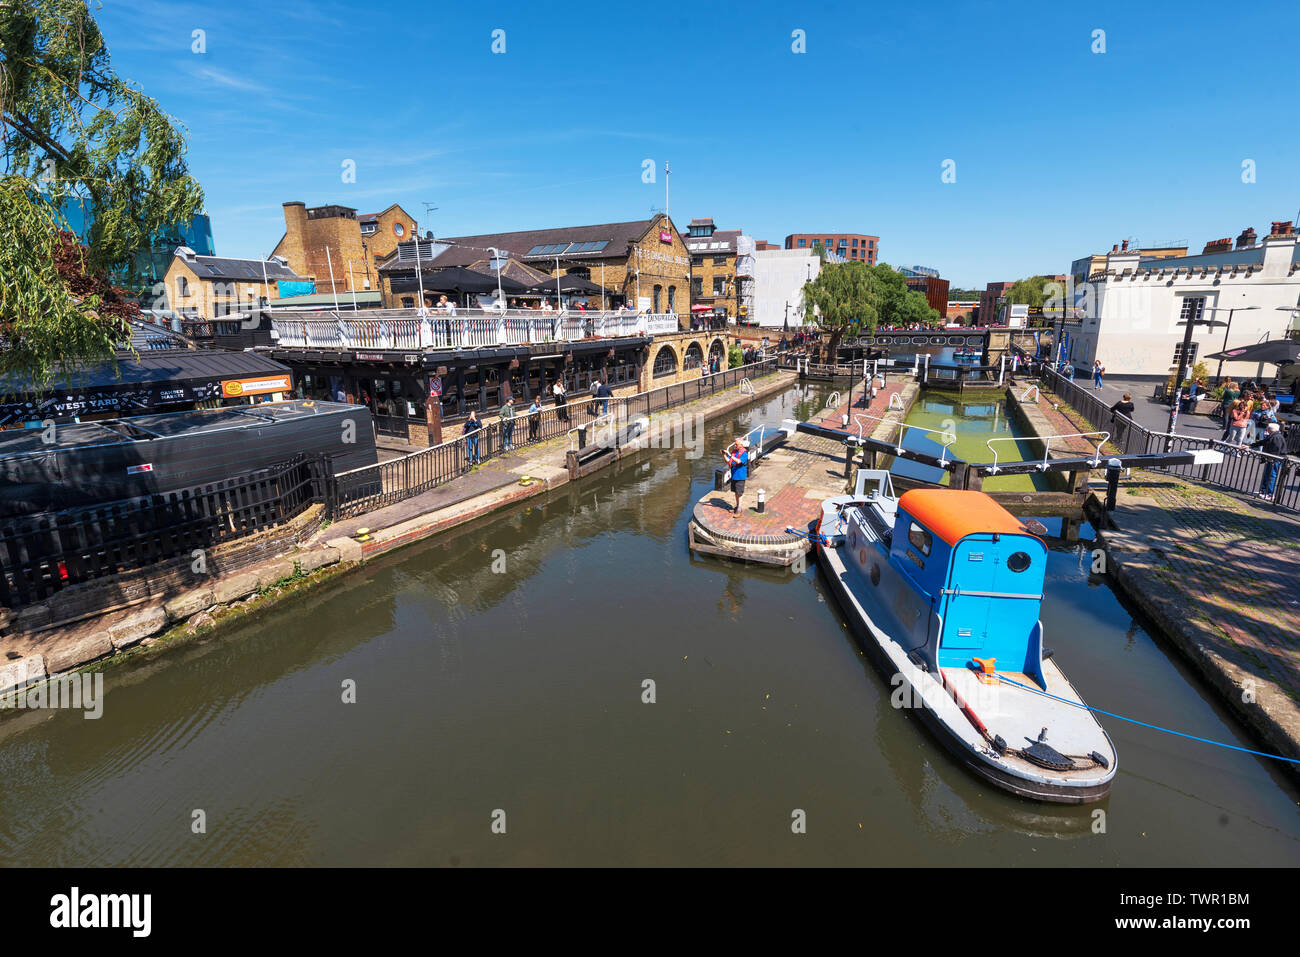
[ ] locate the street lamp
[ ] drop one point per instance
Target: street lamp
(1218, 375)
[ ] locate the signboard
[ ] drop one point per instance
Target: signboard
(134, 469)
(370, 357)
(234, 388)
(665, 236)
(435, 386)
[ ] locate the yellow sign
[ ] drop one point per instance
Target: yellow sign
(233, 388)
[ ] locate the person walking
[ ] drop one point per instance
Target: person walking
(737, 458)
(471, 430)
(1098, 370)
(1272, 444)
(534, 419)
(1123, 412)
(606, 393)
(508, 424)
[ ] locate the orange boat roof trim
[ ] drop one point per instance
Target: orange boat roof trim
(952, 514)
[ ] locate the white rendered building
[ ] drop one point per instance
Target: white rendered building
(779, 277)
(1134, 311)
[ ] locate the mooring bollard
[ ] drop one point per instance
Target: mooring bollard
(1112, 482)
(848, 459)
(718, 485)
(762, 499)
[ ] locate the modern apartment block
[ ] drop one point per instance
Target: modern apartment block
(852, 247)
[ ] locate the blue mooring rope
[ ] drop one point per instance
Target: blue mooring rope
(1154, 727)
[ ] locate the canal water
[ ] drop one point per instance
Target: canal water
(500, 673)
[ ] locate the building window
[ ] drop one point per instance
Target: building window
(719, 260)
(803, 243)
(694, 357)
(697, 287)
(369, 229)
(697, 260)
(672, 298)
(1178, 355)
(182, 286)
(719, 286)
(658, 294)
(1193, 309)
(665, 363)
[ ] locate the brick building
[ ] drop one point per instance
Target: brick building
(211, 287)
(643, 261)
(714, 285)
(852, 247)
(356, 243)
(929, 284)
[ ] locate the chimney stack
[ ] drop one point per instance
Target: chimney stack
(1247, 238)
(1217, 246)
(1124, 246)
(1115, 248)
(1281, 227)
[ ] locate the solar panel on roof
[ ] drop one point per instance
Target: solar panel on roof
(537, 250)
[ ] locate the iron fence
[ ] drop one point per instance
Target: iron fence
(1242, 470)
(387, 483)
(42, 554)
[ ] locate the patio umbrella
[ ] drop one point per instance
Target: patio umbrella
(1276, 350)
(460, 279)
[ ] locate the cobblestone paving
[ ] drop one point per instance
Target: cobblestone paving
(796, 477)
(1235, 569)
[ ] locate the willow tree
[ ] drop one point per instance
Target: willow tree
(853, 298)
(72, 128)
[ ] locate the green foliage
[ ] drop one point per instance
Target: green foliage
(53, 312)
(1030, 291)
(853, 298)
(72, 127)
(735, 356)
(819, 251)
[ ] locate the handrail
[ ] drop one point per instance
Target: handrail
(899, 397)
(1034, 389)
(899, 448)
(1047, 447)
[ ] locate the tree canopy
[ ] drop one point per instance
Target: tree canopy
(854, 298)
(1031, 291)
(72, 127)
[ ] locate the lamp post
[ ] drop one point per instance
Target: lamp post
(1218, 376)
(496, 261)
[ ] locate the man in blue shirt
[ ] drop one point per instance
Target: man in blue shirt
(738, 461)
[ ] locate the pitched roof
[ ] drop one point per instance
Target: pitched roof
(616, 236)
(243, 270)
(722, 241)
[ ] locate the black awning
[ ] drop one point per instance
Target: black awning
(155, 380)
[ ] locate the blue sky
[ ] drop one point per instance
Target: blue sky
(1058, 151)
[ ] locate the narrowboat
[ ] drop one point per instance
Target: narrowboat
(943, 587)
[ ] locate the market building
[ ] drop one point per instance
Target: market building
(644, 262)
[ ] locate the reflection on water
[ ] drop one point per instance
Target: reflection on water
(523, 691)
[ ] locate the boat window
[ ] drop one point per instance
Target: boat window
(1018, 562)
(919, 539)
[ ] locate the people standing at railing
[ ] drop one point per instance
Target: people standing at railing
(557, 390)
(470, 431)
(426, 308)
(508, 424)
(534, 418)
(1236, 421)
(1271, 444)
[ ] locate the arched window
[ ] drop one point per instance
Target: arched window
(717, 351)
(665, 362)
(694, 356)
(672, 298)
(658, 296)
(582, 272)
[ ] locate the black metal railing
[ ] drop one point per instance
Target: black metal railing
(376, 486)
(42, 554)
(1242, 470)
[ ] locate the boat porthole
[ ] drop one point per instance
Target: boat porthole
(862, 556)
(875, 574)
(1018, 562)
